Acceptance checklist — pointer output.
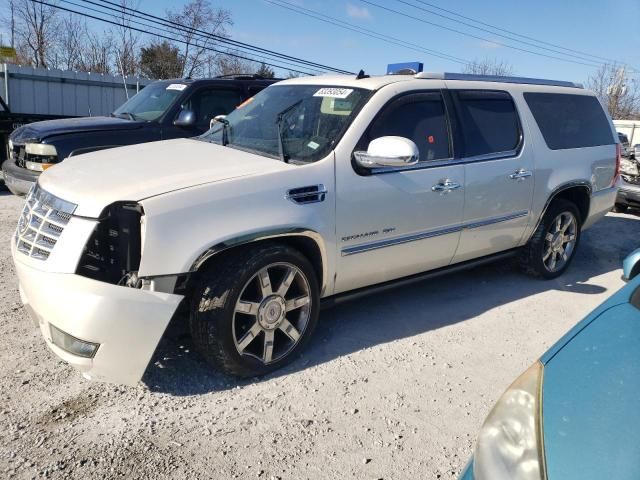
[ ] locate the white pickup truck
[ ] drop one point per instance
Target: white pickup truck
(313, 189)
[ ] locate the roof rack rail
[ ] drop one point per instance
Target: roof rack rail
(496, 78)
(246, 76)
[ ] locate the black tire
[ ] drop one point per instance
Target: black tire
(215, 322)
(620, 208)
(533, 254)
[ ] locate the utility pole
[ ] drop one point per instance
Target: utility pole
(12, 6)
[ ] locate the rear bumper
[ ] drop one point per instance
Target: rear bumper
(602, 202)
(127, 323)
(18, 180)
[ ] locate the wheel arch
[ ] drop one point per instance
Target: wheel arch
(579, 193)
(308, 242)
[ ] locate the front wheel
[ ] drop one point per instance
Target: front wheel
(553, 245)
(255, 309)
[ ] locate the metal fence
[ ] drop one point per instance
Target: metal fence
(40, 91)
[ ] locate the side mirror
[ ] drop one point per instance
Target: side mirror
(216, 119)
(186, 118)
(631, 265)
(384, 152)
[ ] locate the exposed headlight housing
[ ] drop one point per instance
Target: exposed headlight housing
(40, 156)
(510, 444)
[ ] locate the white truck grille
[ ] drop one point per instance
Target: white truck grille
(41, 223)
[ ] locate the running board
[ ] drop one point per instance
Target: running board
(333, 300)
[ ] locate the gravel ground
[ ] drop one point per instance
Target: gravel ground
(393, 386)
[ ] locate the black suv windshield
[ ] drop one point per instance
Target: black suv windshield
(151, 102)
(298, 123)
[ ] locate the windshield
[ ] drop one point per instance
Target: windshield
(151, 102)
(298, 123)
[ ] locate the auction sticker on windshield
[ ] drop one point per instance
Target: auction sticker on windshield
(333, 92)
(176, 86)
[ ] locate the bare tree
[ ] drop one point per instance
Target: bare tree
(617, 90)
(489, 66)
(98, 53)
(195, 17)
(36, 26)
(233, 65)
(71, 42)
(126, 40)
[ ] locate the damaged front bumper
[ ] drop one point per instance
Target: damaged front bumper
(628, 190)
(108, 332)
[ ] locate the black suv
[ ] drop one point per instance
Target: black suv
(163, 110)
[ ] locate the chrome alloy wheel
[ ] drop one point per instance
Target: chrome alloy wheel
(269, 322)
(560, 241)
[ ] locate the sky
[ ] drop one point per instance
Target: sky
(609, 29)
(605, 28)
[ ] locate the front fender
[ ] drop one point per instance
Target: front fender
(183, 229)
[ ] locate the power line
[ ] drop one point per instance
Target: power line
(508, 37)
(41, 2)
(422, 20)
(364, 31)
(165, 30)
(222, 39)
(515, 33)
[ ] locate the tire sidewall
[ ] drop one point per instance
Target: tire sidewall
(248, 264)
(556, 208)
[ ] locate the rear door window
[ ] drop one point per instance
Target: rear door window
(419, 117)
(570, 121)
(488, 121)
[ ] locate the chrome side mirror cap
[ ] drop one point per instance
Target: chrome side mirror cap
(631, 265)
(186, 118)
(385, 152)
(216, 119)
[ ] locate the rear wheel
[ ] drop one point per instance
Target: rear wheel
(554, 243)
(255, 309)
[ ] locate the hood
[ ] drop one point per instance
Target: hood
(590, 401)
(42, 130)
(97, 179)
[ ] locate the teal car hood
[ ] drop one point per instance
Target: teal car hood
(591, 396)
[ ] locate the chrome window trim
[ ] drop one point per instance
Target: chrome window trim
(450, 161)
(365, 247)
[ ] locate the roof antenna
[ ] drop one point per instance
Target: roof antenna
(361, 75)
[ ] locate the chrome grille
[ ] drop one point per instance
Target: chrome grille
(41, 223)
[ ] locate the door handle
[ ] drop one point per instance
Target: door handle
(520, 174)
(445, 186)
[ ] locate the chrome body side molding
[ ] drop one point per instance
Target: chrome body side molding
(365, 247)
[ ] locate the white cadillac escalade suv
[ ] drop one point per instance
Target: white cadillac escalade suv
(313, 189)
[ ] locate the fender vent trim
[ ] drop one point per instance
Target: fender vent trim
(308, 194)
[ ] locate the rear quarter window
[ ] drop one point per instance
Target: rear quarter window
(570, 121)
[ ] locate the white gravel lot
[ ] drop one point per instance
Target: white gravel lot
(393, 386)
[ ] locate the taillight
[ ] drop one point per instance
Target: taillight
(618, 162)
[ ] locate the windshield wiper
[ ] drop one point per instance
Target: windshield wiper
(130, 115)
(279, 118)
